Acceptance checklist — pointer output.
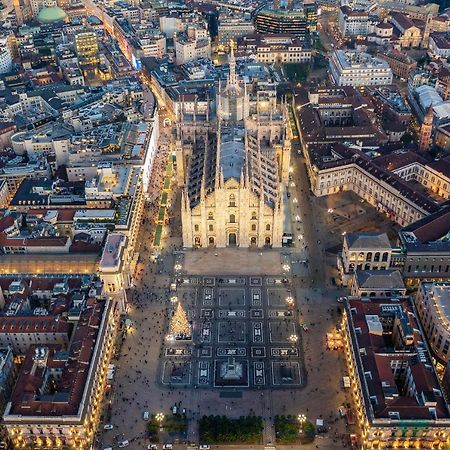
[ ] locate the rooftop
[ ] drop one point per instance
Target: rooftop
(67, 371)
(380, 279)
(416, 395)
(367, 241)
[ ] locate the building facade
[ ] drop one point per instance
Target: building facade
(277, 48)
(232, 169)
(432, 303)
(353, 22)
(353, 68)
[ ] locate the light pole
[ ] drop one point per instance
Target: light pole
(302, 419)
(160, 418)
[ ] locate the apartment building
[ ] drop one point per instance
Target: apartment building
(353, 22)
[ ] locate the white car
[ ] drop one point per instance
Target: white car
(168, 447)
(204, 447)
(124, 444)
(341, 299)
(146, 415)
(152, 447)
(108, 426)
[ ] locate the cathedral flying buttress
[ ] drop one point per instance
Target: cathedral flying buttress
(233, 165)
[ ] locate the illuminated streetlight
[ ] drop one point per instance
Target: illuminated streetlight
(301, 418)
(286, 267)
(293, 338)
(159, 418)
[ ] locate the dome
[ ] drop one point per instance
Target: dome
(51, 14)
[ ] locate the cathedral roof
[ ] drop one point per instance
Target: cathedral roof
(232, 152)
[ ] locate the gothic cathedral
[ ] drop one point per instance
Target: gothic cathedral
(233, 166)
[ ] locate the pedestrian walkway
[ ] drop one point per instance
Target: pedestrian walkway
(164, 203)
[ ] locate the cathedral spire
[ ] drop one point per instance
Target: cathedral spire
(218, 181)
(232, 80)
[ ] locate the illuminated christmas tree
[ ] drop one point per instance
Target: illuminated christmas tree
(179, 325)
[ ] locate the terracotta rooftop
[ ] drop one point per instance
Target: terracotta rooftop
(384, 390)
(29, 398)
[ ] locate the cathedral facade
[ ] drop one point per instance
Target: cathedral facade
(232, 165)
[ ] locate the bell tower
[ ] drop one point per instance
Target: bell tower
(426, 130)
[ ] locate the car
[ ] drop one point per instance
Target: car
(341, 299)
(146, 415)
(152, 447)
(108, 426)
(168, 447)
(123, 444)
(204, 447)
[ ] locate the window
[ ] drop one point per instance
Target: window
(195, 227)
(210, 228)
(253, 215)
(232, 218)
(268, 227)
(232, 200)
(253, 227)
(210, 216)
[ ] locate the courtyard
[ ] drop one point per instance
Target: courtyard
(244, 335)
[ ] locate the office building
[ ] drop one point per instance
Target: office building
(353, 68)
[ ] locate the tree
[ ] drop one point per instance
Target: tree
(180, 327)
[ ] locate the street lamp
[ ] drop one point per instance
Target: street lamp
(286, 267)
(301, 418)
(293, 338)
(159, 418)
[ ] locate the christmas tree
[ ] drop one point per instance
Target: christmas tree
(179, 325)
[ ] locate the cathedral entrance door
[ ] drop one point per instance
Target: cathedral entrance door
(232, 239)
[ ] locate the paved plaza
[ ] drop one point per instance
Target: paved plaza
(244, 335)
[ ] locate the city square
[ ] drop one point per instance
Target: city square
(244, 335)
